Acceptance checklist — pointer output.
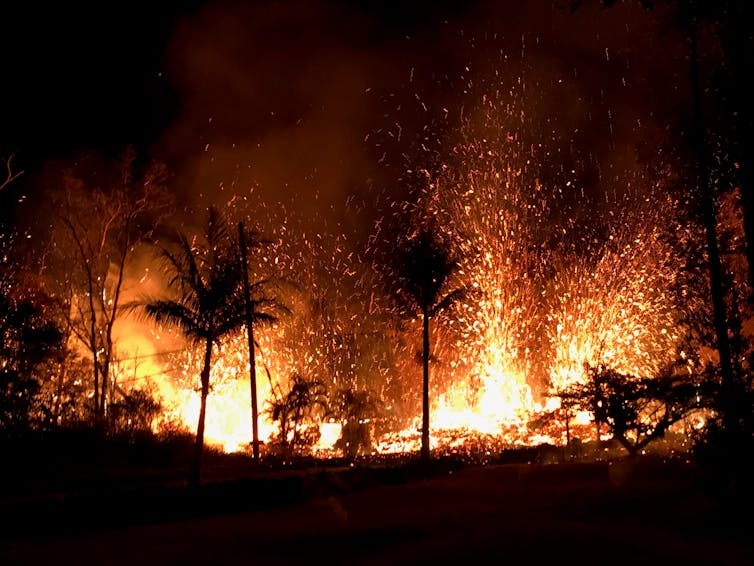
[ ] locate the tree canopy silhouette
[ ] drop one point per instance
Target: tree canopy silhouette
(636, 411)
(422, 283)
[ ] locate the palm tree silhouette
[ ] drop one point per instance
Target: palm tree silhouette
(425, 267)
(210, 304)
(258, 308)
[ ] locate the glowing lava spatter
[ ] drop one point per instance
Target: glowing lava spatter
(615, 304)
(546, 299)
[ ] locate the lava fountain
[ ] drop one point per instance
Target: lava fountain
(548, 295)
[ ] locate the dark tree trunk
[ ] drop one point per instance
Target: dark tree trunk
(425, 385)
(195, 475)
(737, 44)
(294, 439)
(717, 290)
(95, 361)
(105, 381)
(108, 389)
(252, 357)
(746, 176)
(254, 398)
(632, 449)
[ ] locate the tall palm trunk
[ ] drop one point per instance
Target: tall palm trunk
(252, 357)
(195, 475)
(254, 399)
(425, 385)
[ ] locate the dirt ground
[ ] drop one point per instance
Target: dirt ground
(493, 514)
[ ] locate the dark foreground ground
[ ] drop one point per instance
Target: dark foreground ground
(515, 514)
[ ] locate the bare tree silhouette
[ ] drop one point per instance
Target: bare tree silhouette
(10, 175)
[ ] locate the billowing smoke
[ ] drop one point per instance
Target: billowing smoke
(313, 102)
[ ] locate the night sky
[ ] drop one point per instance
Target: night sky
(319, 101)
(82, 75)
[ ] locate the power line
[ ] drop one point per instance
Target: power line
(155, 354)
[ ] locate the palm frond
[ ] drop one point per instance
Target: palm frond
(179, 315)
(448, 300)
(206, 277)
(422, 271)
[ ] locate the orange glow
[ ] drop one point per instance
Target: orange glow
(490, 356)
(544, 299)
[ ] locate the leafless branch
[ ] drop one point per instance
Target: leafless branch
(10, 175)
